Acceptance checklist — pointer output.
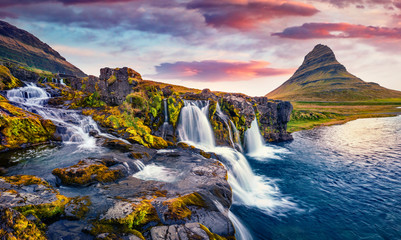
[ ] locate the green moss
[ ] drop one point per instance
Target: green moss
(7, 80)
(178, 207)
(212, 236)
(174, 105)
(142, 214)
(80, 205)
(111, 79)
(25, 180)
(46, 211)
(16, 226)
(83, 173)
(18, 127)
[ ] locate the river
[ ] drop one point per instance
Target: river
(344, 179)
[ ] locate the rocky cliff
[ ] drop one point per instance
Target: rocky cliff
(322, 78)
(125, 87)
(21, 47)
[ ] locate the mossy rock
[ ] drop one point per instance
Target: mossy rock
(7, 80)
(20, 128)
(45, 202)
(86, 172)
(14, 225)
(178, 207)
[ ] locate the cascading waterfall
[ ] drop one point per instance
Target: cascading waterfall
(194, 125)
(255, 145)
(72, 126)
(248, 188)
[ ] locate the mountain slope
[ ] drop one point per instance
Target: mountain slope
(322, 78)
(19, 46)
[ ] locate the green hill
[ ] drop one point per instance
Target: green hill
(322, 78)
(21, 47)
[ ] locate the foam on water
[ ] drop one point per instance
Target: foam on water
(157, 173)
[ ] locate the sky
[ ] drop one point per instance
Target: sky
(247, 46)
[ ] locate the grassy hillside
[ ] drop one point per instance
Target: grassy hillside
(307, 115)
(21, 47)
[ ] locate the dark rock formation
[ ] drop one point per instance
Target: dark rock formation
(190, 197)
(113, 85)
(273, 118)
(19, 46)
(322, 78)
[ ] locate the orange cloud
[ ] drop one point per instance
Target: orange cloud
(218, 71)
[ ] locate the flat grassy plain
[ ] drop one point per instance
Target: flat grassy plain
(308, 115)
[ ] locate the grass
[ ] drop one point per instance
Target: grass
(308, 115)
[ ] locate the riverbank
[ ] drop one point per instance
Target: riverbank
(308, 115)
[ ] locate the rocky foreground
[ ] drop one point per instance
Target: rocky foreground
(112, 203)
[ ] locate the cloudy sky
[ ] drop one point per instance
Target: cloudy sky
(248, 46)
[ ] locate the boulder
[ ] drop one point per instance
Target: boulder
(90, 170)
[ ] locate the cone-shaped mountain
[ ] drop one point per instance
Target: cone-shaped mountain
(322, 78)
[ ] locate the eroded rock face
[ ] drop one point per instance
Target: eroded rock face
(273, 118)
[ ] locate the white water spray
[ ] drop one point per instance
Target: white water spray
(255, 145)
(74, 128)
(194, 124)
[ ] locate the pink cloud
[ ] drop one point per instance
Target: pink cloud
(217, 71)
(338, 30)
(247, 14)
(388, 4)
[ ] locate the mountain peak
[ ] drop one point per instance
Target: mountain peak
(320, 51)
(322, 78)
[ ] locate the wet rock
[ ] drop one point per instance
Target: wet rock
(189, 198)
(14, 225)
(88, 171)
(116, 144)
(34, 197)
(181, 232)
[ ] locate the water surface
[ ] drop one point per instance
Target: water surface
(344, 179)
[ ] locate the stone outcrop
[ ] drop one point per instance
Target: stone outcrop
(113, 85)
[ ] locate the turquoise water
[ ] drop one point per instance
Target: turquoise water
(344, 180)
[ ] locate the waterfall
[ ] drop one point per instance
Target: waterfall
(73, 127)
(255, 145)
(253, 139)
(248, 188)
(165, 123)
(194, 126)
(241, 233)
